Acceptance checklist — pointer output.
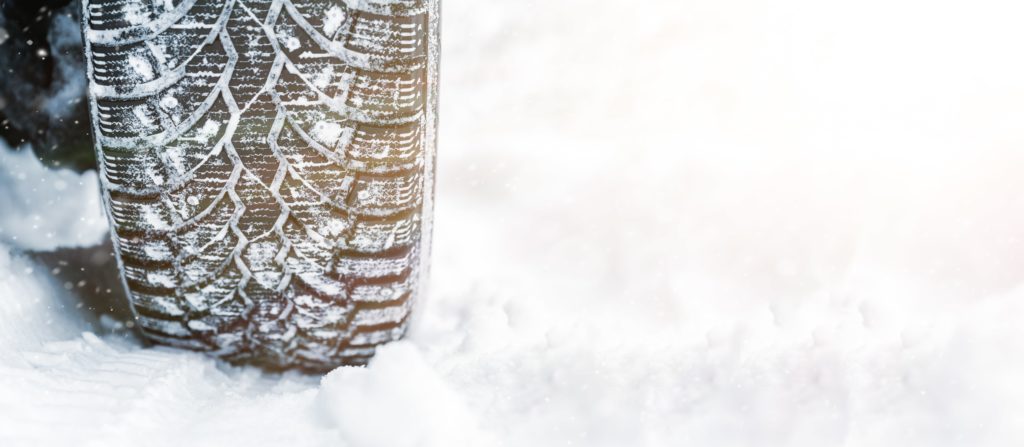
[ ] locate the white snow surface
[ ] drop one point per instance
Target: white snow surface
(725, 223)
(42, 209)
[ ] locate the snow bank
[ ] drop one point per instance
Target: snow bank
(40, 209)
(33, 310)
(713, 224)
(44, 209)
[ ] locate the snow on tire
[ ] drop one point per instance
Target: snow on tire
(267, 168)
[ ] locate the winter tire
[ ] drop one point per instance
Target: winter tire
(267, 168)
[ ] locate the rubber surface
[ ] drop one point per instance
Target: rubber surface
(268, 168)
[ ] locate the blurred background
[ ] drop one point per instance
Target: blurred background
(724, 223)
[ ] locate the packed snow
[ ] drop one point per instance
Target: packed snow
(693, 223)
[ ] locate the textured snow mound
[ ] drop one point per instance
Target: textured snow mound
(693, 223)
(33, 310)
(43, 209)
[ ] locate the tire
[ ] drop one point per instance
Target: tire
(267, 168)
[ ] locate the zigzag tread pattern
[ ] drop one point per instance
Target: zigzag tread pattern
(267, 168)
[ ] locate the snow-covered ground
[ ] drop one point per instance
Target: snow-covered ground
(664, 223)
